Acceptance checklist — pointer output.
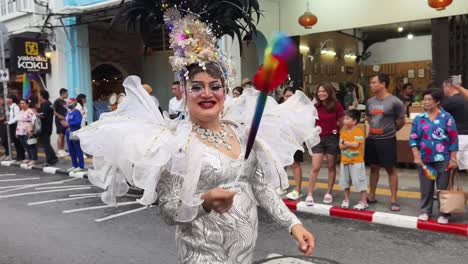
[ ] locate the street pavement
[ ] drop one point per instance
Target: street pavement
(49, 233)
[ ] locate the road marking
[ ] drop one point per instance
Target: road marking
(24, 186)
(60, 200)
(15, 186)
(23, 179)
(84, 194)
(121, 214)
(60, 187)
(15, 189)
(7, 174)
(380, 191)
(98, 207)
(40, 192)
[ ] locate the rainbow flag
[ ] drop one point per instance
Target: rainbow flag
(26, 86)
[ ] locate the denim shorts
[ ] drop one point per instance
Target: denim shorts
(328, 145)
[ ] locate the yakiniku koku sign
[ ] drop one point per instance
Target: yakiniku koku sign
(27, 55)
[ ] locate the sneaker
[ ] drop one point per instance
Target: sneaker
(3, 157)
(345, 204)
(71, 169)
(294, 195)
(361, 206)
(25, 161)
(33, 162)
(309, 200)
(78, 170)
(442, 220)
(62, 153)
(423, 217)
(327, 199)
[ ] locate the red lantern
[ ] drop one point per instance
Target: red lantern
(439, 4)
(307, 20)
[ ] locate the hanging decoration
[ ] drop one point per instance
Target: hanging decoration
(439, 4)
(308, 20)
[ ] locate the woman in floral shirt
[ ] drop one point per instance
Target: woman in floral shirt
(433, 141)
(24, 131)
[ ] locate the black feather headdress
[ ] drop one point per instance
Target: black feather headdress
(194, 28)
(225, 17)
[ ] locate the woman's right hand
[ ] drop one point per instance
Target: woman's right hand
(218, 199)
(418, 161)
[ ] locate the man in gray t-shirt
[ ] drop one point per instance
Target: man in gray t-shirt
(383, 114)
(386, 115)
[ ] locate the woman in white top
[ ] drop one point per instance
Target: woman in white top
(14, 110)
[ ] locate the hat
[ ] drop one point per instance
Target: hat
(72, 101)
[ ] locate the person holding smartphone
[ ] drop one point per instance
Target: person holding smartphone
(455, 104)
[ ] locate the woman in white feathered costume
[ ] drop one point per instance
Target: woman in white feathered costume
(195, 167)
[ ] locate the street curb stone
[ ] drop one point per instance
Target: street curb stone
(396, 220)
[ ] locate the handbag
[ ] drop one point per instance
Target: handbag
(452, 201)
(31, 141)
(37, 126)
(73, 136)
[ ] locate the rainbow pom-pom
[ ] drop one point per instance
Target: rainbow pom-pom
(274, 70)
(429, 172)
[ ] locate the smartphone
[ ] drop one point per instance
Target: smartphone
(455, 79)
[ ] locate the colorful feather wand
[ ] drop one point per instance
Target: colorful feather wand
(429, 172)
(271, 74)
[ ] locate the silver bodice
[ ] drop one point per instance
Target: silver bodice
(229, 237)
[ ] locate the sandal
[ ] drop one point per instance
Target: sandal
(361, 206)
(395, 207)
(309, 200)
(327, 199)
(371, 201)
(345, 204)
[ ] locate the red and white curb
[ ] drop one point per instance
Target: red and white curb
(48, 169)
(403, 221)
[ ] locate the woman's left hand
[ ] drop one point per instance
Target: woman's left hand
(305, 239)
(452, 165)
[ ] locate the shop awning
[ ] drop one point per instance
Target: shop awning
(89, 9)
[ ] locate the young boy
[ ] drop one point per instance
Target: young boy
(352, 160)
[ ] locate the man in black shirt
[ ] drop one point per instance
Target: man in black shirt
(457, 106)
(47, 116)
(60, 111)
(407, 96)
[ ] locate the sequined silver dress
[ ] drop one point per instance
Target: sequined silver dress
(137, 145)
(230, 237)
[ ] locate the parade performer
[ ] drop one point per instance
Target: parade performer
(196, 168)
